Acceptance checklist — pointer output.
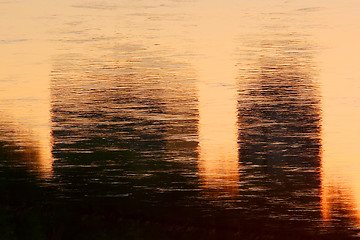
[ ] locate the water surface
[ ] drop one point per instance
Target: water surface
(179, 119)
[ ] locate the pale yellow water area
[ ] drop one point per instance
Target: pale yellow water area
(217, 72)
(24, 85)
(340, 86)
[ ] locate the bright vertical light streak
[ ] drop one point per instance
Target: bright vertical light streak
(341, 115)
(25, 84)
(218, 152)
(25, 109)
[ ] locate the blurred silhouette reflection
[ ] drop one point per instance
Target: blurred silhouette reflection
(340, 196)
(339, 212)
(25, 149)
(279, 132)
(124, 127)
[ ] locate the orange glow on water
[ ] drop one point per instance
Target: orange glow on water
(25, 88)
(218, 151)
(187, 56)
(341, 117)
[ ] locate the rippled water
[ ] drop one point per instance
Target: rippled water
(179, 119)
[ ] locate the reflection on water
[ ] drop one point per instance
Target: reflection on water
(24, 92)
(167, 119)
(20, 147)
(124, 126)
(218, 157)
(340, 160)
(279, 131)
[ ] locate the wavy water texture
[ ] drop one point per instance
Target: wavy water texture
(235, 116)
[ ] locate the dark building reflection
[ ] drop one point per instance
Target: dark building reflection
(279, 132)
(124, 127)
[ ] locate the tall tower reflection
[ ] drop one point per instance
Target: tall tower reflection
(279, 131)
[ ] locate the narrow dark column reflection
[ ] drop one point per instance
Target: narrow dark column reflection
(279, 131)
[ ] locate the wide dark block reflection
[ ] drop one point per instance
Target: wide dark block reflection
(124, 128)
(279, 132)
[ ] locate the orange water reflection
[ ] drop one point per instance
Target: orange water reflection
(24, 87)
(155, 51)
(218, 155)
(218, 151)
(341, 117)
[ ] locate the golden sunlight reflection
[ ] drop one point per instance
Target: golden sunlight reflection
(25, 116)
(25, 93)
(341, 117)
(218, 154)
